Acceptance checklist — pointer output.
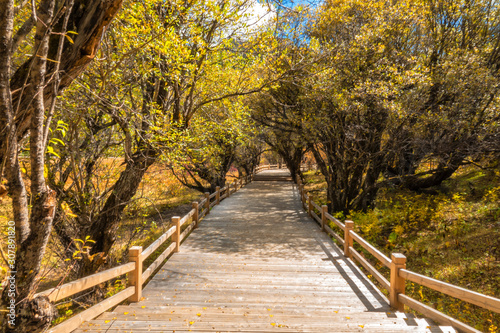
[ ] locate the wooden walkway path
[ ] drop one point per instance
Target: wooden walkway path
(258, 263)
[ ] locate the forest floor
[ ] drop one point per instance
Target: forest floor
(452, 235)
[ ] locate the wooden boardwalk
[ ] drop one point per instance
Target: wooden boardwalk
(258, 263)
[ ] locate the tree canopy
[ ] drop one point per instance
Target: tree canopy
(382, 94)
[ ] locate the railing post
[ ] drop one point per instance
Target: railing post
(397, 286)
(217, 195)
(176, 237)
(309, 205)
(207, 202)
(241, 182)
(135, 277)
(228, 190)
(348, 241)
(196, 212)
(235, 186)
(324, 210)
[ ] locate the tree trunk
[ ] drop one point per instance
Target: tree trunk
(23, 113)
(104, 227)
(90, 20)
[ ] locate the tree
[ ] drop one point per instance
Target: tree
(214, 138)
(162, 64)
(384, 103)
(27, 106)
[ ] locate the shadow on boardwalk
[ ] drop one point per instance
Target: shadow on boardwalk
(257, 262)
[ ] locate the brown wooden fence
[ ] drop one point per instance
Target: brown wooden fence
(134, 268)
(397, 265)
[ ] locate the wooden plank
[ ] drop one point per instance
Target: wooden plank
(334, 235)
(202, 203)
(243, 272)
(71, 288)
(315, 205)
(75, 321)
(376, 274)
(334, 220)
(213, 195)
(484, 301)
(187, 231)
(157, 243)
(158, 261)
(370, 248)
(435, 314)
(316, 217)
(187, 217)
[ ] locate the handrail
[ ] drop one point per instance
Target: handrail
(316, 217)
(470, 296)
(376, 274)
(315, 205)
(92, 312)
(435, 314)
(334, 235)
(334, 220)
(399, 273)
(370, 248)
(202, 202)
(187, 216)
(157, 243)
(149, 271)
(134, 267)
(74, 287)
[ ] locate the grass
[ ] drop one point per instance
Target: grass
(453, 236)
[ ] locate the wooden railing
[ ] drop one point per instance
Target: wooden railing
(134, 268)
(268, 167)
(398, 272)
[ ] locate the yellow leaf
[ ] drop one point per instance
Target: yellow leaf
(273, 324)
(198, 314)
(69, 39)
(361, 326)
(191, 322)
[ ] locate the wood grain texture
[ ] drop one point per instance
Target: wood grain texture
(484, 301)
(71, 288)
(435, 315)
(370, 248)
(258, 263)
